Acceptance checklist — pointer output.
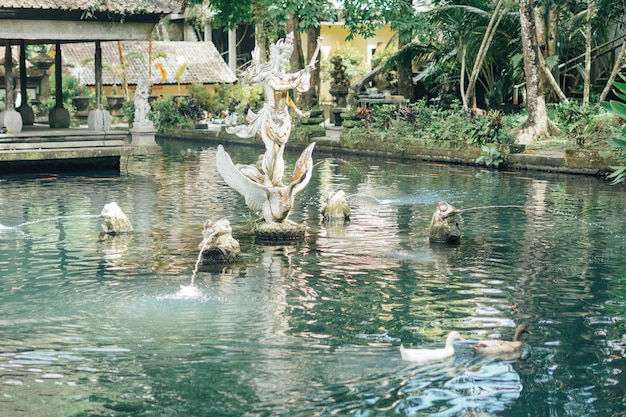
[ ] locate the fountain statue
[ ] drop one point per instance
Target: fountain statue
(335, 208)
(443, 227)
(115, 221)
(218, 245)
(262, 184)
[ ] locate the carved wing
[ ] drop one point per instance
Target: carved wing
(303, 170)
(255, 194)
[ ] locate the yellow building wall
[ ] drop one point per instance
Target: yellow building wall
(334, 36)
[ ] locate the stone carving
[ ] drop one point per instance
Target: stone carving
(340, 81)
(142, 106)
(218, 245)
(273, 122)
(115, 221)
(274, 202)
(262, 184)
(443, 227)
(335, 208)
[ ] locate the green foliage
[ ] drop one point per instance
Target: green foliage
(231, 97)
(486, 129)
(421, 121)
(618, 108)
(352, 59)
(490, 156)
(170, 114)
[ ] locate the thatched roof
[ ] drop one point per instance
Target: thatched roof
(118, 6)
(50, 21)
(204, 63)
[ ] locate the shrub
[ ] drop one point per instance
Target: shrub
(618, 108)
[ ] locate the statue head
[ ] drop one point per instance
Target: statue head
(283, 48)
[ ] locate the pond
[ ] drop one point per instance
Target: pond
(100, 327)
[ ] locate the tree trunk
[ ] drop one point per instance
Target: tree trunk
(551, 80)
(404, 69)
(553, 24)
(614, 72)
(494, 22)
(297, 59)
(587, 74)
(260, 40)
(539, 12)
(537, 125)
(462, 81)
(123, 69)
(311, 98)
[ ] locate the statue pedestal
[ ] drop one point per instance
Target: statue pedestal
(280, 232)
(59, 117)
(143, 136)
(216, 255)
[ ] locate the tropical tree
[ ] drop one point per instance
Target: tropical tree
(537, 125)
(275, 18)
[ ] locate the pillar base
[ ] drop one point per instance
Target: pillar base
(99, 120)
(59, 118)
(12, 120)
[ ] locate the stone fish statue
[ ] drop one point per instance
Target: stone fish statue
(218, 245)
(443, 227)
(115, 221)
(335, 208)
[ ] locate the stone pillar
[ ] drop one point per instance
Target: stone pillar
(98, 119)
(232, 50)
(10, 119)
(59, 116)
(28, 116)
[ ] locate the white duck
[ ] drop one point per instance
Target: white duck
(495, 346)
(424, 355)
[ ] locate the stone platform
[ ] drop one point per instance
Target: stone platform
(39, 148)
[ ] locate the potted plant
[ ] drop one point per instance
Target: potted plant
(179, 75)
(115, 101)
(83, 94)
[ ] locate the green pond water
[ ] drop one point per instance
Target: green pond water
(103, 327)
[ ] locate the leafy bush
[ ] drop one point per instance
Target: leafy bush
(422, 121)
(231, 97)
(168, 114)
(618, 108)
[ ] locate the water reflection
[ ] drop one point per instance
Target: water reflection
(113, 326)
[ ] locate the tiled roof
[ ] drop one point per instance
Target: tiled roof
(115, 6)
(204, 63)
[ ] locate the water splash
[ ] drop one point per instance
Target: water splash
(547, 210)
(381, 202)
(50, 219)
(191, 291)
(491, 207)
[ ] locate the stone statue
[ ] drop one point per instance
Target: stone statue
(273, 122)
(218, 245)
(335, 209)
(274, 202)
(443, 227)
(115, 221)
(340, 82)
(142, 106)
(262, 184)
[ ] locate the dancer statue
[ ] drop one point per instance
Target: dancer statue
(273, 122)
(262, 184)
